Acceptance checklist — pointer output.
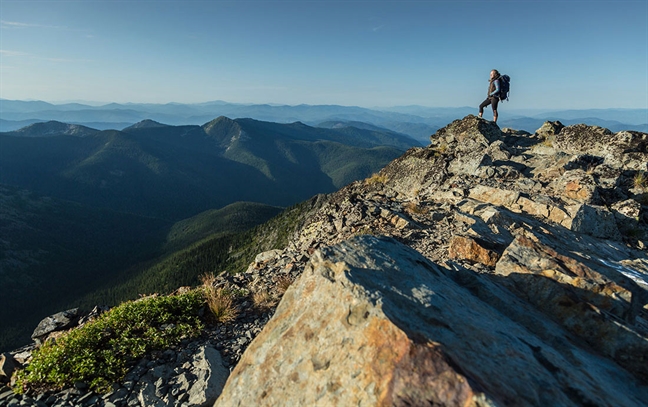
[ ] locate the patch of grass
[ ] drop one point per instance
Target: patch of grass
(376, 179)
(219, 300)
(548, 141)
(440, 150)
(263, 299)
(101, 352)
(365, 230)
(283, 282)
(640, 180)
(414, 208)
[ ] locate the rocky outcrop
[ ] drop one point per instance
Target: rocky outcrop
(525, 286)
(491, 268)
(373, 322)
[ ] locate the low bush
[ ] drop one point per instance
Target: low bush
(101, 352)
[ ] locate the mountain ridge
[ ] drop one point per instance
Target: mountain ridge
(415, 121)
(187, 169)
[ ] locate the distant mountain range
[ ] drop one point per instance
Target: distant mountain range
(173, 172)
(418, 122)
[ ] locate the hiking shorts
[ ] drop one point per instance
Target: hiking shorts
(491, 100)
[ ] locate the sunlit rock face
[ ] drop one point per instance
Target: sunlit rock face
(500, 268)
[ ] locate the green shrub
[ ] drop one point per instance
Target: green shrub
(100, 352)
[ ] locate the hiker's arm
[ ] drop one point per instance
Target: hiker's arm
(497, 88)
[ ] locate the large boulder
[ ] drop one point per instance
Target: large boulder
(372, 322)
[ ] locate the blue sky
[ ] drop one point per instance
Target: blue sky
(560, 54)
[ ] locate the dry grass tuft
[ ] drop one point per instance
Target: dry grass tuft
(263, 299)
(441, 149)
(641, 180)
(376, 179)
(219, 300)
(548, 141)
(283, 282)
(414, 208)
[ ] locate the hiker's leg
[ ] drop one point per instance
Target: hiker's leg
(494, 102)
(483, 105)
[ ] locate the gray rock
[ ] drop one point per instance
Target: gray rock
(59, 321)
(211, 377)
(5, 393)
(595, 221)
(549, 129)
(7, 366)
(265, 256)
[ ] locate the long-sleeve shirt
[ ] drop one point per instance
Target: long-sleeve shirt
(496, 82)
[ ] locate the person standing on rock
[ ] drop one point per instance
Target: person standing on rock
(493, 94)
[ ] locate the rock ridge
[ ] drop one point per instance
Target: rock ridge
(545, 229)
(491, 268)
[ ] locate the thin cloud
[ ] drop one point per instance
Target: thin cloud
(380, 27)
(16, 24)
(8, 53)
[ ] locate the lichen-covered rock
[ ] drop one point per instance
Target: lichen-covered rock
(577, 186)
(467, 248)
(549, 129)
(467, 134)
(625, 149)
(372, 322)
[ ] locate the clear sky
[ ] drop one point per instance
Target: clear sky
(560, 54)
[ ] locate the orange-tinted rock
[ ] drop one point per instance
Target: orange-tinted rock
(467, 248)
(371, 322)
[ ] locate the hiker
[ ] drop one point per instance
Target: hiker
(493, 94)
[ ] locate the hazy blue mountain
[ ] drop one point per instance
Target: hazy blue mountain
(174, 172)
(417, 131)
(431, 112)
(146, 124)
(337, 124)
(627, 116)
(53, 128)
(11, 125)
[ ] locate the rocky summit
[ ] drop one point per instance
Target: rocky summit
(491, 268)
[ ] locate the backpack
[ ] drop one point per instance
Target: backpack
(505, 86)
